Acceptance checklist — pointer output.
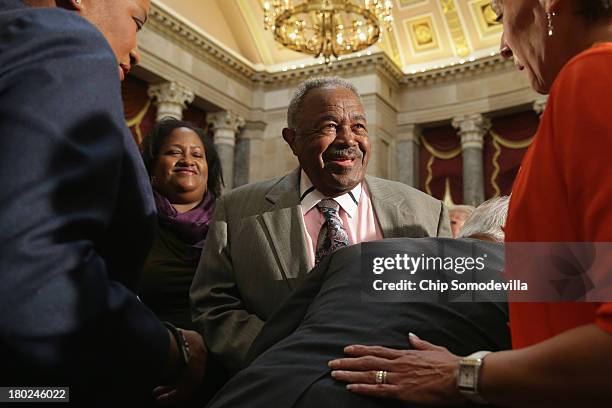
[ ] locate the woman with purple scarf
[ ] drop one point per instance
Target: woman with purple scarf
(186, 177)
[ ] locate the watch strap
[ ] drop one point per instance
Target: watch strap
(475, 362)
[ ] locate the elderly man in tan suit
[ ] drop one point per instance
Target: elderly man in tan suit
(265, 237)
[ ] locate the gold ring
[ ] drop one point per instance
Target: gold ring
(381, 377)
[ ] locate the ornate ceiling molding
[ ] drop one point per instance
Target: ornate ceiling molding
(375, 62)
(458, 71)
(185, 35)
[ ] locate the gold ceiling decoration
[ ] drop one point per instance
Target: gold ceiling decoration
(486, 17)
(327, 28)
(462, 48)
(404, 3)
(422, 34)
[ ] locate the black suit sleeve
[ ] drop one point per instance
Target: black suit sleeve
(290, 313)
(65, 316)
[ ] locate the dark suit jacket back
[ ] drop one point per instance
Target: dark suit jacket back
(288, 360)
(77, 215)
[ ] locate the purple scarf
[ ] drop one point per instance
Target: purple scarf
(190, 226)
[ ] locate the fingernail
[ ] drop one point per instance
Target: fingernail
(348, 349)
(349, 387)
(413, 336)
(333, 374)
(331, 364)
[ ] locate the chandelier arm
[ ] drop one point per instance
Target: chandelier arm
(322, 36)
(333, 35)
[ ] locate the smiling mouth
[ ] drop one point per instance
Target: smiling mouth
(340, 159)
(340, 164)
(185, 171)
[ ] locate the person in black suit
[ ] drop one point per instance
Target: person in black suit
(77, 215)
(287, 364)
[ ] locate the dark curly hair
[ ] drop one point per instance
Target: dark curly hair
(595, 9)
(157, 136)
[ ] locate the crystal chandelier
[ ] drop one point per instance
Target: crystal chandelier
(327, 28)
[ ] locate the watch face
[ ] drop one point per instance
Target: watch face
(466, 377)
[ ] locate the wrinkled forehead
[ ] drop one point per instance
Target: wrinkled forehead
(324, 100)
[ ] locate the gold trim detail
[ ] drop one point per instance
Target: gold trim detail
(406, 3)
(395, 52)
(485, 18)
(429, 175)
(462, 47)
(436, 154)
(496, 168)
(499, 141)
(439, 154)
(448, 195)
(137, 120)
(511, 144)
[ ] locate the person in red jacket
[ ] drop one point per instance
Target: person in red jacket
(563, 193)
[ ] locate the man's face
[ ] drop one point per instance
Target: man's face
(119, 21)
(331, 140)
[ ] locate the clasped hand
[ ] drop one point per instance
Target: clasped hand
(191, 377)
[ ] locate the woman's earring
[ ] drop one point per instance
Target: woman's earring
(550, 23)
(77, 1)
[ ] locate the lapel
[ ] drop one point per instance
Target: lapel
(284, 228)
(393, 210)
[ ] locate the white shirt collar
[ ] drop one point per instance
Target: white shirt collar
(310, 197)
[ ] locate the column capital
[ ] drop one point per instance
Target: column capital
(472, 129)
(225, 120)
(171, 98)
(539, 104)
(409, 132)
(255, 125)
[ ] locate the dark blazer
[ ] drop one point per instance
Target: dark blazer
(255, 254)
(77, 214)
(288, 360)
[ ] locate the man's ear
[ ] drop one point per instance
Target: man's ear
(289, 136)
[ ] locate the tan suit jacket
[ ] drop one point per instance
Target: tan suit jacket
(255, 254)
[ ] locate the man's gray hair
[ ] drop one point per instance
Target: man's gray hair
(307, 86)
(487, 219)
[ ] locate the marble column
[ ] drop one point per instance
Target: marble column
(247, 152)
(472, 129)
(171, 98)
(226, 125)
(407, 147)
(540, 104)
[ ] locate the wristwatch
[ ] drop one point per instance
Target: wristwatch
(469, 375)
